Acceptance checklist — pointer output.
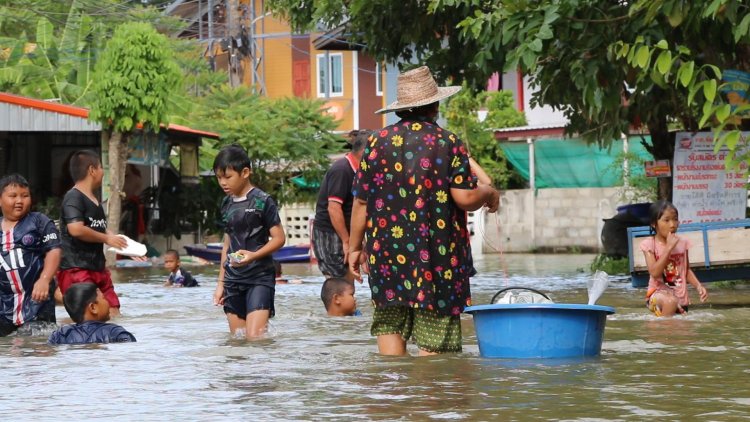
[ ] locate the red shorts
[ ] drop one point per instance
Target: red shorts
(102, 279)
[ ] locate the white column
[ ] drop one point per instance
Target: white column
(532, 167)
(355, 89)
(532, 190)
(625, 163)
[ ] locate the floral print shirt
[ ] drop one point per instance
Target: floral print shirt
(417, 238)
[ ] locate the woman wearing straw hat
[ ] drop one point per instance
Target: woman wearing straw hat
(412, 192)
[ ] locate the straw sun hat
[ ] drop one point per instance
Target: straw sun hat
(418, 88)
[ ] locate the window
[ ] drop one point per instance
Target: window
(330, 75)
(378, 80)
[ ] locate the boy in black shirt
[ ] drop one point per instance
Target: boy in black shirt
(83, 229)
(253, 232)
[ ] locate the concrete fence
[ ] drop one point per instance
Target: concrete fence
(553, 220)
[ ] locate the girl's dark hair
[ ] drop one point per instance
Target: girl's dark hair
(77, 298)
(14, 179)
(232, 157)
(80, 162)
(656, 210)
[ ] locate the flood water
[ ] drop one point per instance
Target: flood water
(186, 366)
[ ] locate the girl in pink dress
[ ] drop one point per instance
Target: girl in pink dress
(668, 266)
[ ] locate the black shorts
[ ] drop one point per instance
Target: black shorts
(329, 251)
(241, 299)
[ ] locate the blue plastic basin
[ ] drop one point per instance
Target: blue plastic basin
(550, 330)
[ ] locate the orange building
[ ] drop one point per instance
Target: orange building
(259, 50)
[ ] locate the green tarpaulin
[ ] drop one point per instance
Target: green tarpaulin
(572, 163)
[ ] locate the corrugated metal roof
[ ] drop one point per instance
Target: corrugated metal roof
(23, 114)
(530, 127)
(15, 118)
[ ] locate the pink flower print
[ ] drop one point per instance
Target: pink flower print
(376, 246)
(373, 155)
(424, 255)
(419, 204)
(425, 163)
(382, 222)
(379, 179)
(420, 296)
(385, 270)
(454, 261)
(379, 203)
(429, 139)
(456, 310)
(390, 294)
(423, 229)
(383, 133)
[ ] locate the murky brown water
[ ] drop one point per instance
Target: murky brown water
(186, 366)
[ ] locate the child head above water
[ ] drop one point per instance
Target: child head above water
(337, 295)
(171, 260)
(15, 198)
(84, 302)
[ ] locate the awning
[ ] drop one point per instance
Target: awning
(24, 114)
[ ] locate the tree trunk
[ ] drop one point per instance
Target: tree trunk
(662, 148)
(118, 155)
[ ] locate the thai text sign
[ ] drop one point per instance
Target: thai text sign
(702, 188)
(658, 168)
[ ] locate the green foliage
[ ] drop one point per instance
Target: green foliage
(461, 113)
(284, 137)
(402, 31)
(60, 63)
(610, 265)
(639, 188)
(48, 49)
(607, 65)
(134, 79)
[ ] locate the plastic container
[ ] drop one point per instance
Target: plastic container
(539, 330)
(639, 211)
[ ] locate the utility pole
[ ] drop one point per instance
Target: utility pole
(256, 49)
(210, 19)
(233, 25)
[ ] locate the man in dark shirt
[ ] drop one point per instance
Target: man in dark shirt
(333, 210)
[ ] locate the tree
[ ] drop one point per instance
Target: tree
(461, 113)
(284, 137)
(133, 81)
(580, 55)
(48, 49)
(56, 66)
